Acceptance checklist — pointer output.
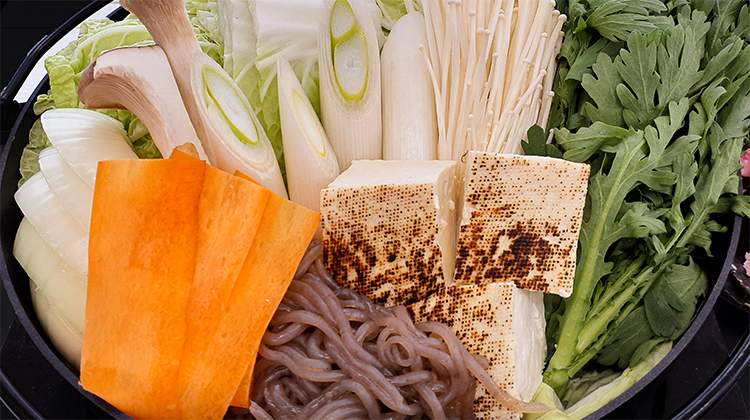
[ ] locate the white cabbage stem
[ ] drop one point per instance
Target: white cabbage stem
(311, 161)
(350, 81)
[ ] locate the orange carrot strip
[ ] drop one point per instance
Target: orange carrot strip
(285, 232)
(229, 216)
(185, 151)
(241, 397)
(142, 253)
(245, 177)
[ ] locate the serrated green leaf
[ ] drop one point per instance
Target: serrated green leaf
(602, 88)
(741, 205)
(644, 350)
(624, 341)
(726, 15)
(616, 20)
(670, 304)
(580, 146)
(679, 57)
(637, 68)
(536, 144)
(583, 62)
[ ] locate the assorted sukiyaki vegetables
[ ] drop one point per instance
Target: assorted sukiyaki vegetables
(338, 209)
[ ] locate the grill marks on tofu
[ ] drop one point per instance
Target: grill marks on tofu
(520, 221)
(502, 324)
(401, 268)
(383, 240)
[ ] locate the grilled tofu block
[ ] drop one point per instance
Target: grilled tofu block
(389, 228)
(501, 323)
(519, 221)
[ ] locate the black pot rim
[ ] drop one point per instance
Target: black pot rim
(711, 393)
(23, 317)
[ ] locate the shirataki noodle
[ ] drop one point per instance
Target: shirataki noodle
(331, 353)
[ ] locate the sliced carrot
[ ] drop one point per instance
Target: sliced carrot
(141, 263)
(229, 216)
(285, 232)
(241, 397)
(186, 151)
(245, 177)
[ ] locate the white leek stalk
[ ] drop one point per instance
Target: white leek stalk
(310, 160)
(65, 286)
(350, 81)
(409, 119)
(228, 129)
(67, 186)
(83, 138)
(54, 224)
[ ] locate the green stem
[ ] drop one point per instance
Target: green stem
(615, 287)
(596, 327)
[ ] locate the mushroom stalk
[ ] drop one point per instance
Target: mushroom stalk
(228, 128)
(140, 80)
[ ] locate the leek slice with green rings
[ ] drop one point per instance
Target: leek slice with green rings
(350, 81)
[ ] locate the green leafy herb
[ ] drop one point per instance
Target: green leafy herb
(536, 144)
(656, 97)
(670, 304)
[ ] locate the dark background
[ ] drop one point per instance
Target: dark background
(24, 22)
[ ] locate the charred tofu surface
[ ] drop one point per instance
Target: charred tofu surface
(519, 220)
(389, 228)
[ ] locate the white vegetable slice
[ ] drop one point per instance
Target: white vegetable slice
(350, 66)
(226, 125)
(410, 129)
(84, 137)
(64, 337)
(310, 160)
(67, 186)
(342, 19)
(238, 30)
(350, 81)
(63, 285)
(53, 223)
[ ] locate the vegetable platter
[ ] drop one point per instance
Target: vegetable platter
(572, 167)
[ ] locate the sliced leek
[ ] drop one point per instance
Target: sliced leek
(409, 119)
(223, 119)
(350, 81)
(311, 161)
